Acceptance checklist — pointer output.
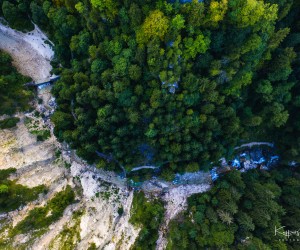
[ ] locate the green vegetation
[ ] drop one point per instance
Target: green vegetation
(235, 64)
(41, 135)
(9, 122)
(42, 132)
(120, 211)
(148, 215)
(13, 96)
(70, 234)
(12, 195)
(178, 86)
(15, 12)
(241, 212)
(92, 246)
(4, 173)
(41, 217)
(189, 81)
(67, 165)
(58, 154)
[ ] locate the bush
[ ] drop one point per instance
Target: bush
(120, 211)
(149, 215)
(4, 173)
(9, 122)
(42, 217)
(13, 96)
(92, 246)
(41, 135)
(13, 195)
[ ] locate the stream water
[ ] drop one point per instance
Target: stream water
(260, 155)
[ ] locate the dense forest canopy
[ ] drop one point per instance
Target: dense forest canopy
(176, 84)
(241, 212)
(171, 83)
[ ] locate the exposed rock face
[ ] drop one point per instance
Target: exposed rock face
(101, 222)
(99, 200)
(19, 148)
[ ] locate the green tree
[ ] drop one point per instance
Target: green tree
(108, 7)
(195, 46)
(155, 25)
(3, 189)
(177, 22)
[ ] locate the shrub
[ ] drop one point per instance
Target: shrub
(9, 122)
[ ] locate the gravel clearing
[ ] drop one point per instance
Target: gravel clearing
(31, 55)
